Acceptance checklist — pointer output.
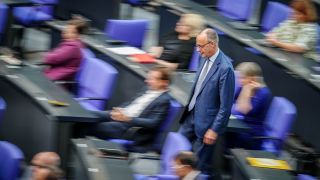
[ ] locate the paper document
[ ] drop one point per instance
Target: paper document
(126, 50)
(268, 163)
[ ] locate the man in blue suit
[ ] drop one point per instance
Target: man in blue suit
(146, 111)
(208, 111)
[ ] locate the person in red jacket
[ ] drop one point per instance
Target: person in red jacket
(64, 61)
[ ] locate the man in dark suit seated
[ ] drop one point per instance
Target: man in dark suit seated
(146, 112)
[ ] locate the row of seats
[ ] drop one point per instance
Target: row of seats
(272, 16)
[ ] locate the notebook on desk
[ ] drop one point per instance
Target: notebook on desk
(142, 58)
(268, 163)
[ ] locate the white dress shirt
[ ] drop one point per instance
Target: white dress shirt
(192, 175)
(135, 108)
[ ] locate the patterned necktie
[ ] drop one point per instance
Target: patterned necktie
(199, 84)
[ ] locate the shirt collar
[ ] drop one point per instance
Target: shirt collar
(191, 175)
(156, 91)
(214, 57)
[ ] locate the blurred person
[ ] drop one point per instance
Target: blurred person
(44, 166)
(252, 101)
(175, 49)
(299, 33)
(146, 111)
(64, 61)
(207, 113)
(185, 166)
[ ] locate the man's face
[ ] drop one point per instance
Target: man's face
(180, 169)
(40, 169)
(155, 82)
(70, 32)
(204, 47)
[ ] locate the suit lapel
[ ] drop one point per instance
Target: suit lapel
(155, 101)
(212, 70)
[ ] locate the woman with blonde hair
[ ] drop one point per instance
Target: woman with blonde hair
(252, 99)
(175, 49)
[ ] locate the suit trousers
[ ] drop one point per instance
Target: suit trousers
(203, 151)
(108, 128)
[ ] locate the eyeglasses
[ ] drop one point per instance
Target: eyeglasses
(202, 46)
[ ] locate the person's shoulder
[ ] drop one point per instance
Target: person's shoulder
(165, 96)
(75, 43)
(265, 91)
(226, 61)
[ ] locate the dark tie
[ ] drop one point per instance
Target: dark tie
(199, 84)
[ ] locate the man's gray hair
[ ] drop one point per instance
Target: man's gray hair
(212, 35)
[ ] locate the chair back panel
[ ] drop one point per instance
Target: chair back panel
(96, 80)
(3, 107)
(235, 9)
(174, 144)
(175, 109)
(132, 31)
(274, 14)
(10, 158)
(3, 16)
(279, 120)
(194, 63)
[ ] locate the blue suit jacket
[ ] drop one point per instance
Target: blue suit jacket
(213, 105)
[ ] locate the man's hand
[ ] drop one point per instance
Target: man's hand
(251, 87)
(210, 137)
(118, 115)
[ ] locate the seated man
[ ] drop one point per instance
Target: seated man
(185, 165)
(147, 111)
(44, 166)
(63, 62)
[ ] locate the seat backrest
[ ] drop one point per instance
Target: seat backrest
(131, 31)
(306, 177)
(279, 119)
(175, 109)
(194, 62)
(274, 14)
(96, 80)
(3, 107)
(174, 144)
(10, 158)
(48, 9)
(235, 9)
(86, 54)
(3, 16)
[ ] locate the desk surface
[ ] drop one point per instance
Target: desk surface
(258, 173)
(31, 81)
(102, 168)
(297, 64)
